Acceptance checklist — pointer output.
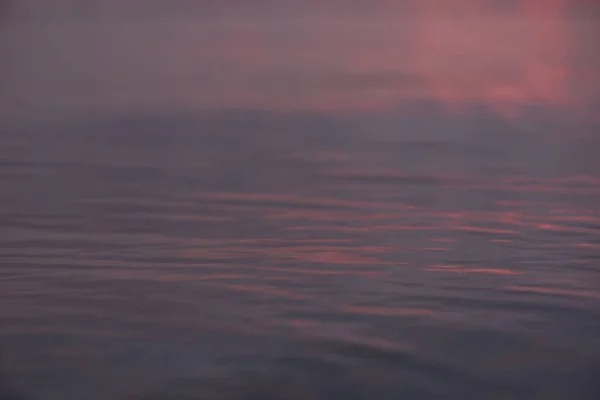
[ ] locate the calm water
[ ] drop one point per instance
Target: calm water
(152, 248)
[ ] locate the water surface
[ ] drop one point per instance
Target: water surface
(250, 220)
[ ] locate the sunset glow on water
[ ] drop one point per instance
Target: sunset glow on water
(294, 200)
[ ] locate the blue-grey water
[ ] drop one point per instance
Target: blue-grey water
(321, 257)
(159, 242)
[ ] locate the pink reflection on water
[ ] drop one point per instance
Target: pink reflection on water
(465, 270)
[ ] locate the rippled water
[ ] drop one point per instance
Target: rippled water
(299, 256)
(410, 211)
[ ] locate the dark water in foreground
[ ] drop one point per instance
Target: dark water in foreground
(242, 255)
